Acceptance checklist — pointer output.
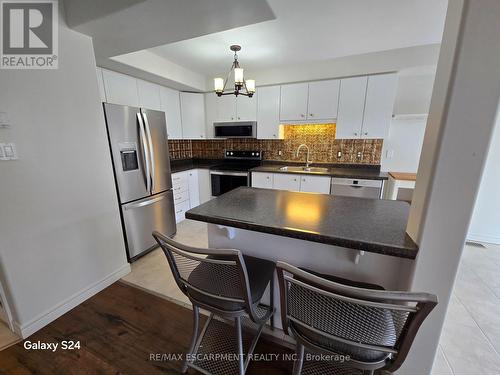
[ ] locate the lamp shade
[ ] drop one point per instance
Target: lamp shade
(218, 84)
(238, 75)
(250, 83)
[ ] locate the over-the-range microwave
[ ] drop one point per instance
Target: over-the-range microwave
(240, 129)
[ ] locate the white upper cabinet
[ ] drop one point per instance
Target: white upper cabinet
(226, 108)
(246, 108)
(268, 112)
(323, 99)
(210, 113)
(171, 105)
(149, 95)
(193, 115)
(351, 107)
(120, 88)
(380, 98)
(294, 102)
(100, 84)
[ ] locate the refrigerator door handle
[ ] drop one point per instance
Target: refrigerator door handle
(145, 149)
(142, 204)
(151, 151)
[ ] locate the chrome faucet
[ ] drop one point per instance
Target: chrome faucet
(307, 156)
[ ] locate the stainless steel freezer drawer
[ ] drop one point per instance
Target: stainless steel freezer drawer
(142, 217)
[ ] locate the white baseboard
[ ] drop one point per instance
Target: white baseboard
(25, 330)
(483, 238)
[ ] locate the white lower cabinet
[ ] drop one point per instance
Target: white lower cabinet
(293, 182)
(204, 185)
(262, 180)
(180, 186)
(194, 188)
(315, 184)
(284, 181)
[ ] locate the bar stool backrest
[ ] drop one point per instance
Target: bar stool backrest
(218, 274)
(377, 324)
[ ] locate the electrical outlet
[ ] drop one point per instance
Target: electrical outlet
(280, 153)
(339, 154)
(359, 155)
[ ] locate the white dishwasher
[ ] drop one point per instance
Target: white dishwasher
(360, 188)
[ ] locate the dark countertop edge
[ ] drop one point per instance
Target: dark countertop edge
(181, 165)
(307, 236)
(357, 172)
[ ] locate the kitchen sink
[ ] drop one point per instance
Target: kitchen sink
(304, 169)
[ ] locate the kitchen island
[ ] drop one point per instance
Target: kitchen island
(355, 238)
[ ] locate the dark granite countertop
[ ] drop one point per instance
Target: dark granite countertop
(187, 164)
(372, 225)
(343, 171)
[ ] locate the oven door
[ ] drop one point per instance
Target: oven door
(224, 181)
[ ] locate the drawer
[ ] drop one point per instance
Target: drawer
(181, 197)
(179, 178)
(180, 211)
(180, 187)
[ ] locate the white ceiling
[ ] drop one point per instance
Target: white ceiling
(314, 30)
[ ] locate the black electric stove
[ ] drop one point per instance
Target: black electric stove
(233, 171)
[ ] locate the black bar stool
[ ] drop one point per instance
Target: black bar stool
(230, 286)
(373, 329)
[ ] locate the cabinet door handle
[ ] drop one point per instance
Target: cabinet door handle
(366, 133)
(302, 115)
(355, 133)
(311, 115)
(238, 118)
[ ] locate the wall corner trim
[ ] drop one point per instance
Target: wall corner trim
(27, 329)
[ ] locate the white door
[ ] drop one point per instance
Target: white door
(226, 108)
(120, 88)
(380, 98)
(194, 189)
(323, 99)
(100, 83)
(351, 107)
(268, 112)
(193, 115)
(204, 185)
(315, 184)
(293, 102)
(246, 108)
(284, 181)
(171, 105)
(149, 95)
(262, 180)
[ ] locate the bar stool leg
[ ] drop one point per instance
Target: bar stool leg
(241, 362)
(196, 318)
(297, 365)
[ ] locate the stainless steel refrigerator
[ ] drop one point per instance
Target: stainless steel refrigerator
(139, 149)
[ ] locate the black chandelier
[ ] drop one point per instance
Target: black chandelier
(239, 82)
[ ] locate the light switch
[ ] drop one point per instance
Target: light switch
(9, 151)
(4, 120)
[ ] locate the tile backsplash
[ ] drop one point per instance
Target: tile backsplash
(324, 148)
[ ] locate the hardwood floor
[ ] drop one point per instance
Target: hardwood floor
(119, 329)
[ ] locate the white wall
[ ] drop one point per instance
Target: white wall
(459, 128)
(60, 232)
(414, 93)
(402, 147)
(485, 224)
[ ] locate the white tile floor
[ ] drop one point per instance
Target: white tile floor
(470, 343)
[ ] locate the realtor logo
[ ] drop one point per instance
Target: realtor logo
(29, 34)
